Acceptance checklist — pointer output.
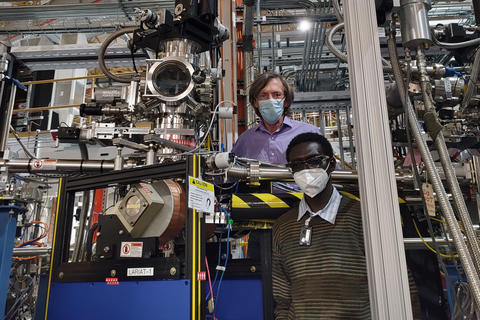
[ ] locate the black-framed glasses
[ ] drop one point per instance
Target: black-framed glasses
(317, 161)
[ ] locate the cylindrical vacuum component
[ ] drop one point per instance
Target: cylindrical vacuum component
(90, 110)
(226, 112)
(153, 210)
(414, 27)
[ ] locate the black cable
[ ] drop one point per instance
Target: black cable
(88, 245)
(132, 51)
(27, 152)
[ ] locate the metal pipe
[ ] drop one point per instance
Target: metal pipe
(340, 139)
(273, 48)
(267, 173)
(338, 11)
(52, 165)
(320, 51)
(34, 251)
(446, 208)
(308, 42)
(476, 167)
(476, 10)
(248, 60)
(93, 76)
(67, 106)
(445, 205)
(331, 45)
(350, 137)
(118, 162)
(322, 122)
(259, 38)
(77, 256)
(311, 57)
(472, 82)
(417, 241)
(317, 57)
(7, 119)
(151, 157)
(447, 165)
(103, 49)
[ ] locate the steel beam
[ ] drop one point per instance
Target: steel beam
(121, 8)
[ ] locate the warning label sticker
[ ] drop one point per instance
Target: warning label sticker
(131, 249)
(139, 272)
(201, 196)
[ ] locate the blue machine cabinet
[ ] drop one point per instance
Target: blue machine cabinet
(77, 290)
(8, 225)
(139, 300)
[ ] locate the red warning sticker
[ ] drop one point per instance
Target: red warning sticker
(112, 281)
(201, 276)
(131, 249)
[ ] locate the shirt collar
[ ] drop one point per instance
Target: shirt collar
(328, 213)
(287, 123)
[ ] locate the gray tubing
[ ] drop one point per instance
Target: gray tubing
(445, 205)
(103, 49)
(337, 53)
(447, 166)
(473, 80)
(456, 45)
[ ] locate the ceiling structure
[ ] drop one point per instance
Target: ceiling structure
(34, 29)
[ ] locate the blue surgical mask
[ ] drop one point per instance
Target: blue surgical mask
(271, 110)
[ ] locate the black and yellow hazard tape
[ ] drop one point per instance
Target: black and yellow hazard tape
(270, 200)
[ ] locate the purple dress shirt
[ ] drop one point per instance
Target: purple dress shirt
(258, 143)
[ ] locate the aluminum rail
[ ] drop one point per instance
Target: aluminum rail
(381, 220)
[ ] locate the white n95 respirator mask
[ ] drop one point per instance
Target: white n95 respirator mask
(311, 181)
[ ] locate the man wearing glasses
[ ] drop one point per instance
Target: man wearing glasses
(318, 261)
(271, 97)
(319, 266)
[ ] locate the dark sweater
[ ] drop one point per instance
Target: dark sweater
(328, 279)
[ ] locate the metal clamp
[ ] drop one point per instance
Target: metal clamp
(254, 172)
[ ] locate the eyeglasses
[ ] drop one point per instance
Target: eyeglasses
(274, 95)
(317, 161)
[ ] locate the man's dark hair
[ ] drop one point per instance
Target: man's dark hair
(260, 83)
(310, 137)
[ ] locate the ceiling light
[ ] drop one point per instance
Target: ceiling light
(304, 25)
